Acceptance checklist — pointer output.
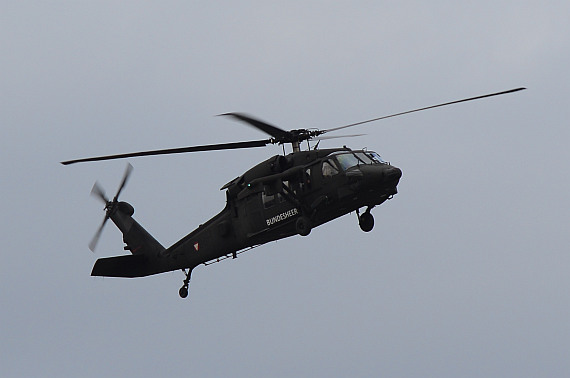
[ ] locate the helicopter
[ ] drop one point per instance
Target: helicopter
(283, 196)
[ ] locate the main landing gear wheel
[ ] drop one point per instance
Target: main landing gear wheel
(303, 226)
(183, 292)
(365, 221)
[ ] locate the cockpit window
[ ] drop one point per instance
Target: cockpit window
(365, 158)
(351, 159)
(347, 160)
(374, 156)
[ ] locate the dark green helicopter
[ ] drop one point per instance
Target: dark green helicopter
(282, 196)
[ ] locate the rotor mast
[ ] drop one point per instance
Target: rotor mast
(296, 146)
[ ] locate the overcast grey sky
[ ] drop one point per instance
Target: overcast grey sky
(466, 273)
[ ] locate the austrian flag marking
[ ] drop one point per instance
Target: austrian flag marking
(196, 246)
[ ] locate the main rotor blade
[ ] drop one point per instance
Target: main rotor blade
(274, 131)
(209, 147)
(336, 136)
(427, 107)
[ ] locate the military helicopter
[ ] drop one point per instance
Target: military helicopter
(282, 196)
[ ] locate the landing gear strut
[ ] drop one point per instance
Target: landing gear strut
(366, 220)
(183, 292)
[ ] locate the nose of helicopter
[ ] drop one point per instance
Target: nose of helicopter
(381, 174)
(392, 174)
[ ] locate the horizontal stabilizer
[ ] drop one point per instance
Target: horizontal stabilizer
(128, 266)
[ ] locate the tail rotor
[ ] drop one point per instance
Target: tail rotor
(110, 205)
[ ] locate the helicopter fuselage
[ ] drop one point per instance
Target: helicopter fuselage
(285, 196)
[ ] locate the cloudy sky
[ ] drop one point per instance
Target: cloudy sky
(465, 274)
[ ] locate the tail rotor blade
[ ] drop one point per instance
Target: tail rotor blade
(95, 240)
(125, 179)
(110, 206)
(98, 192)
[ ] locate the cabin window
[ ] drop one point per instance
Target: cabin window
(270, 199)
(306, 183)
(329, 169)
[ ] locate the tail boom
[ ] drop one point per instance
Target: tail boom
(147, 257)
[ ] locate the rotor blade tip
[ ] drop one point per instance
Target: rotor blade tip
(229, 114)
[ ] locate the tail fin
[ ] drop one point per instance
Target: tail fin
(136, 238)
(144, 249)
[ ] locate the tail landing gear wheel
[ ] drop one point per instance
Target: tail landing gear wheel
(183, 292)
(303, 226)
(366, 221)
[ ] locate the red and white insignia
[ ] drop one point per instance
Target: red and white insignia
(196, 246)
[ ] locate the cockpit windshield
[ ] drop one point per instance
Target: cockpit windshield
(374, 156)
(365, 158)
(347, 160)
(351, 159)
